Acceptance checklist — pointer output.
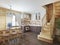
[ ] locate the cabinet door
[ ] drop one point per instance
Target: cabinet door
(2, 22)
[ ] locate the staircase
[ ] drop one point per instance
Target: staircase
(45, 34)
(47, 30)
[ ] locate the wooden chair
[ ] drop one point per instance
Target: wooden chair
(6, 36)
(13, 34)
(2, 41)
(19, 33)
(18, 36)
(2, 37)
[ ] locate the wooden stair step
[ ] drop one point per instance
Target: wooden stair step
(45, 33)
(48, 24)
(45, 39)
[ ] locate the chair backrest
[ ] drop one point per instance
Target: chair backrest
(13, 31)
(1, 32)
(6, 32)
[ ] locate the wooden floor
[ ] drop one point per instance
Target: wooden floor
(30, 38)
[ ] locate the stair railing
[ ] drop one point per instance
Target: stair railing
(44, 21)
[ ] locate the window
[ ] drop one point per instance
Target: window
(37, 16)
(13, 20)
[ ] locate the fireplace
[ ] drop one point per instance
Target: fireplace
(26, 28)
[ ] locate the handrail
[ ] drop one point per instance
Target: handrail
(43, 17)
(44, 21)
